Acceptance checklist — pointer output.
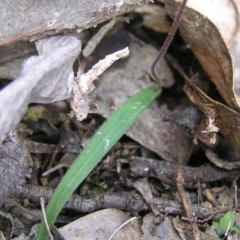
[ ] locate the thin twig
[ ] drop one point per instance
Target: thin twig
(123, 201)
(186, 204)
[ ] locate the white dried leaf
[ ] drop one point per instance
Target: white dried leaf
(83, 85)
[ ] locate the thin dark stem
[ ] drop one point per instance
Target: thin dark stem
(168, 40)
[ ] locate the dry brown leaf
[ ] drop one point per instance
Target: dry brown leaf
(227, 120)
(211, 51)
(234, 49)
(223, 14)
(208, 46)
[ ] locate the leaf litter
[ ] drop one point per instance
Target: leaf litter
(171, 143)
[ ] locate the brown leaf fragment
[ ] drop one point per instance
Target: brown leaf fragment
(13, 165)
(211, 128)
(208, 46)
(211, 139)
(227, 120)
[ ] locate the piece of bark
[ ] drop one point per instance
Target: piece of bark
(166, 171)
(13, 165)
(128, 201)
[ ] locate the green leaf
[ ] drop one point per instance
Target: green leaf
(227, 222)
(216, 225)
(108, 134)
(236, 229)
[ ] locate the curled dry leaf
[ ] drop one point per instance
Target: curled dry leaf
(13, 165)
(227, 120)
(83, 85)
(234, 49)
(211, 51)
(215, 59)
(45, 78)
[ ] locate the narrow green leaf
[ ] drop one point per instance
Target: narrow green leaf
(108, 134)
